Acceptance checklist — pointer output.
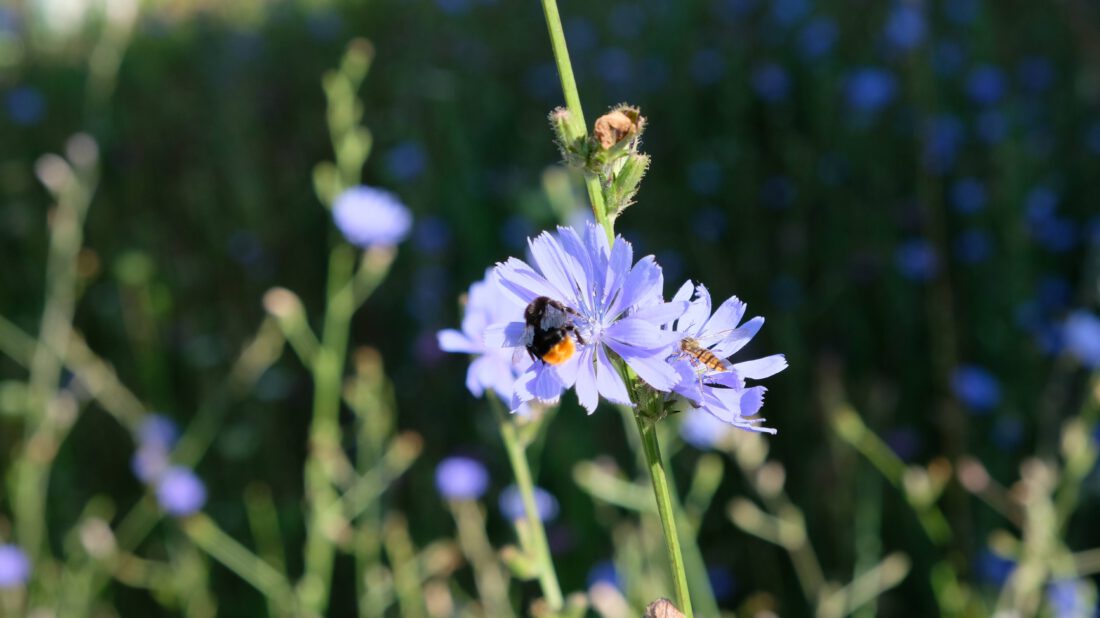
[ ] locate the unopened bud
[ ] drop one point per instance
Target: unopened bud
(282, 303)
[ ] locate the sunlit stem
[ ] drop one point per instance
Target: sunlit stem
(651, 448)
(576, 126)
(517, 456)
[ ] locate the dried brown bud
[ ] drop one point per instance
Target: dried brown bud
(662, 608)
(618, 124)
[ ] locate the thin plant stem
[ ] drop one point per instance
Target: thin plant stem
(576, 124)
(652, 450)
(517, 456)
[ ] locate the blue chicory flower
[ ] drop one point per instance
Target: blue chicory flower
(406, 161)
(973, 246)
(968, 195)
(917, 260)
(1081, 332)
(1071, 598)
(976, 388)
(367, 216)
(15, 567)
(156, 436)
(986, 85)
(703, 431)
(604, 572)
(905, 28)
(869, 89)
(493, 367)
(180, 492)
(771, 82)
(720, 391)
(511, 504)
(615, 306)
(26, 106)
(461, 478)
(818, 38)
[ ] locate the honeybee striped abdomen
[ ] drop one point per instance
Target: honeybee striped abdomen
(693, 350)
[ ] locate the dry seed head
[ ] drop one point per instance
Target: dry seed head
(620, 123)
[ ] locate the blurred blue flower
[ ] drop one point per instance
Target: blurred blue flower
(777, 192)
(948, 57)
(15, 567)
(493, 368)
(1069, 598)
(604, 572)
(627, 19)
(26, 106)
(968, 195)
(905, 27)
(367, 216)
(406, 161)
(788, 12)
(973, 246)
(723, 392)
(705, 176)
(1035, 73)
(180, 492)
(1040, 204)
(453, 7)
(511, 504)
(708, 223)
(916, 260)
(155, 437)
(707, 67)
(906, 442)
(1008, 433)
(703, 431)
(869, 89)
(722, 582)
(977, 388)
(1053, 293)
(1082, 337)
(943, 138)
(962, 12)
(461, 478)
(581, 34)
(9, 20)
(771, 82)
(986, 85)
(993, 568)
(818, 38)
(1092, 138)
(991, 125)
(616, 66)
(158, 430)
(432, 235)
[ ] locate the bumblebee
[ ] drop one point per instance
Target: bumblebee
(691, 348)
(550, 331)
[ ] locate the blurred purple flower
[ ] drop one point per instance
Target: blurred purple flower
(406, 161)
(616, 66)
(968, 195)
(976, 388)
(158, 430)
(493, 367)
(617, 306)
(511, 504)
(26, 106)
(905, 27)
(1082, 337)
(916, 260)
(722, 582)
(461, 478)
(818, 38)
(432, 235)
(906, 442)
(180, 492)
(771, 82)
(15, 567)
(986, 85)
(1070, 598)
(943, 139)
(789, 12)
(869, 89)
(723, 394)
(156, 436)
(993, 568)
(367, 216)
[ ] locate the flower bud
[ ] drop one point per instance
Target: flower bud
(623, 122)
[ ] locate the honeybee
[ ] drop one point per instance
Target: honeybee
(550, 331)
(699, 355)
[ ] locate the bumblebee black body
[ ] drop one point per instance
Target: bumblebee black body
(550, 331)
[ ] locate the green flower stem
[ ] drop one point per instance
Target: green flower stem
(489, 577)
(665, 508)
(517, 456)
(213, 540)
(576, 125)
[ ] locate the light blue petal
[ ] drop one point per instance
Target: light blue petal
(450, 340)
(661, 313)
(618, 269)
(587, 393)
(640, 335)
(504, 335)
(522, 282)
(641, 287)
(762, 367)
(684, 293)
(737, 338)
(567, 371)
(548, 255)
(581, 267)
(691, 323)
(653, 369)
(608, 381)
(727, 317)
